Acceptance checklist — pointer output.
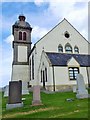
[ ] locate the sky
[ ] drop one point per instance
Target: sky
(42, 15)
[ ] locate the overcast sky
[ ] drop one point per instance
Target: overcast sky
(42, 16)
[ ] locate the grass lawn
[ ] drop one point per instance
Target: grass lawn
(54, 106)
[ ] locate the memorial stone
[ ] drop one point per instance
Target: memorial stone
(81, 92)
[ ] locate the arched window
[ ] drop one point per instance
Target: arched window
(24, 35)
(20, 35)
(60, 48)
(68, 48)
(76, 50)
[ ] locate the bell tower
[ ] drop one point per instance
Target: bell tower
(21, 31)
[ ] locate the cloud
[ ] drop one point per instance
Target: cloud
(38, 32)
(9, 39)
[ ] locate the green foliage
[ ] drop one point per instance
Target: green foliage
(54, 105)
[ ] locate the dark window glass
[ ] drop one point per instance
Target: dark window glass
(67, 35)
(41, 75)
(73, 71)
(68, 48)
(24, 35)
(20, 35)
(60, 49)
(76, 50)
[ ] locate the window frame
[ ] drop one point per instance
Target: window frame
(68, 50)
(24, 36)
(20, 35)
(60, 48)
(76, 49)
(73, 72)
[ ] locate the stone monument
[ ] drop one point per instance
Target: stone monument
(36, 96)
(81, 92)
(15, 95)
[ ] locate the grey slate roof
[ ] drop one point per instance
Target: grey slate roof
(17, 23)
(61, 59)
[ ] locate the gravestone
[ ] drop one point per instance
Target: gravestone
(36, 96)
(81, 92)
(74, 88)
(15, 95)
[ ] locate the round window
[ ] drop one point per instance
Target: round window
(67, 35)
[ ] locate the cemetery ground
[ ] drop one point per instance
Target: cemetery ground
(55, 105)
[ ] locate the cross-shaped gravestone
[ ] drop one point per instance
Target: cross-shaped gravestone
(81, 92)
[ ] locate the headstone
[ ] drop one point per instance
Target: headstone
(81, 92)
(25, 89)
(6, 91)
(74, 88)
(15, 95)
(36, 96)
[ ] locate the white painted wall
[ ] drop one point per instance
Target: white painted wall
(83, 71)
(22, 53)
(62, 76)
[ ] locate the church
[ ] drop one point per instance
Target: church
(55, 59)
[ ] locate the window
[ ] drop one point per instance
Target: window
(76, 50)
(60, 48)
(41, 75)
(68, 48)
(67, 35)
(24, 35)
(46, 74)
(73, 71)
(20, 35)
(32, 66)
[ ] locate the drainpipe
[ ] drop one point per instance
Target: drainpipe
(53, 79)
(88, 76)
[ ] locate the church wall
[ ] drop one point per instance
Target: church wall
(83, 71)
(50, 42)
(20, 72)
(62, 80)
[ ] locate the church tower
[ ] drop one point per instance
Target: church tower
(21, 31)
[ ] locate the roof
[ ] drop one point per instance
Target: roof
(61, 59)
(17, 23)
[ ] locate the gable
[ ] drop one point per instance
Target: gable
(72, 62)
(57, 36)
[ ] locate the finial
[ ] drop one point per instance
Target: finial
(22, 17)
